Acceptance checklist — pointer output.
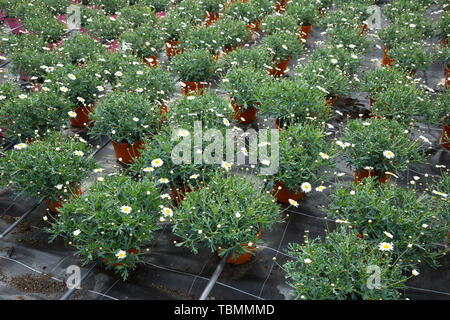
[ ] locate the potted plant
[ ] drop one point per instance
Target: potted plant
(126, 117)
(156, 83)
(33, 115)
(303, 157)
(159, 6)
(113, 221)
(404, 103)
(173, 26)
(441, 114)
(227, 216)
(110, 7)
(378, 148)
(9, 94)
(106, 30)
(233, 34)
(306, 14)
(410, 57)
(81, 85)
(212, 10)
(257, 57)
(282, 47)
(145, 42)
(293, 101)
(323, 75)
(41, 22)
(350, 38)
(347, 60)
(246, 12)
(194, 67)
(113, 65)
(50, 169)
(279, 23)
(338, 268)
(80, 48)
(137, 15)
(202, 38)
(413, 224)
(242, 84)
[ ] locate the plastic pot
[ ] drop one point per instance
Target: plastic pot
(280, 68)
(242, 258)
(172, 48)
(196, 87)
(363, 173)
(244, 116)
(178, 194)
(151, 61)
(447, 81)
(445, 138)
(82, 118)
(126, 152)
(304, 32)
(332, 100)
(280, 6)
(386, 61)
(210, 18)
(283, 194)
(55, 204)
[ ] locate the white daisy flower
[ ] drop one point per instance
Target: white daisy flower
(226, 122)
(389, 235)
(157, 163)
(190, 97)
(388, 154)
(293, 202)
(125, 209)
(334, 61)
(265, 162)
(63, 89)
(97, 170)
(167, 212)
(71, 76)
(307, 261)
(139, 90)
(76, 232)
(163, 180)
(121, 254)
(81, 99)
(20, 146)
(385, 246)
(415, 272)
(148, 169)
(323, 155)
(78, 153)
(320, 188)
(183, 133)
(226, 165)
(194, 176)
(238, 215)
(306, 187)
(72, 114)
(118, 74)
(100, 88)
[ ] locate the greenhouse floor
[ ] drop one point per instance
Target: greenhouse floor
(31, 268)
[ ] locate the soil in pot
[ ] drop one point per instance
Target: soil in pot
(82, 118)
(125, 152)
(283, 194)
(196, 87)
(279, 68)
(363, 173)
(55, 204)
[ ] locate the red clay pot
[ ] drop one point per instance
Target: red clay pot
(196, 87)
(304, 32)
(243, 258)
(151, 61)
(276, 124)
(55, 204)
(284, 194)
(280, 68)
(280, 6)
(126, 151)
(116, 264)
(445, 138)
(363, 28)
(332, 100)
(172, 48)
(244, 117)
(386, 61)
(447, 81)
(371, 102)
(82, 118)
(178, 194)
(363, 173)
(210, 18)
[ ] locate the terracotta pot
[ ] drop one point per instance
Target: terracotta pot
(255, 26)
(280, 68)
(151, 61)
(172, 48)
(363, 28)
(117, 264)
(276, 124)
(371, 101)
(217, 56)
(304, 32)
(445, 138)
(447, 81)
(246, 116)
(386, 61)
(332, 100)
(82, 118)
(243, 258)
(126, 151)
(55, 204)
(363, 173)
(284, 194)
(210, 18)
(280, 6)
(178, 194)
(196, 87)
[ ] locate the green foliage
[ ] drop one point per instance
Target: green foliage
(396, 34)
(232, 33)
(106, 28)
(213, 6)
(345, 59)
(257, 58)
(242, 84)
(365, 142)
(225, 215)
(338, 269)
(413, 224)
(156, 84)
(80, 48)
(304, 155)
(173, 26)
(350, 38)
(380, 79)
(125, 117)
(279, 23)
(137, 15)
(43, 23)
(202, 38)
(194, 65)
(110, 6)
(46, 169)
(96, 226)
(410, 56)
(146, 41)
(34, 115)
(110, 63)
(305, 12)
(282, 45)
(293, 101)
